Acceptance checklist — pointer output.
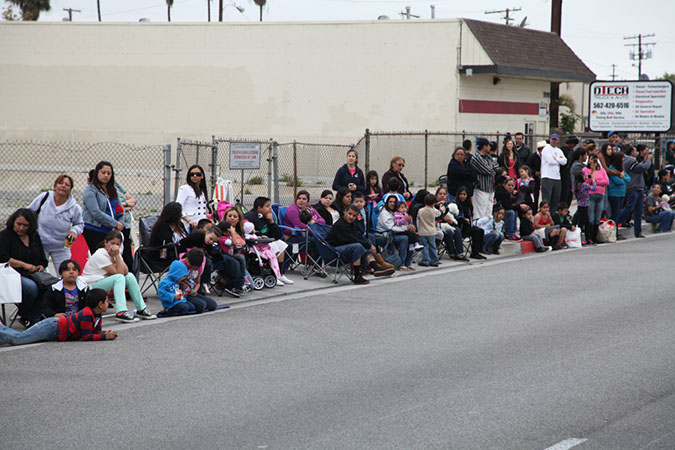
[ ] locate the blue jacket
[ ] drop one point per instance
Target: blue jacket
(617, 185)
(343, 178)
(95, 205)
(169, 287)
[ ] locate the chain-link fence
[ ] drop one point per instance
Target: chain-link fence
(28, 168)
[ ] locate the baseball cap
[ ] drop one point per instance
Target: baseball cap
(589, 141)
(611, 133)
(555, 136)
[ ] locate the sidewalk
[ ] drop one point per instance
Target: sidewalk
(316, 284)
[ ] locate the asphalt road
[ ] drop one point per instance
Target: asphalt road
(574, 347)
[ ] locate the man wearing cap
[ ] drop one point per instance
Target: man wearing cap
(522, 149)
(613, 138)
(586, 143)
(552, 158)
(484, 193)
(534, 163)
(565, 178)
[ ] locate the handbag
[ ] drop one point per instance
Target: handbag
(607, 232)
(42, 279)
(10, 284)
(390, 253)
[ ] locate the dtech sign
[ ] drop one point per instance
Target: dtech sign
(601, 91)
(630, 106)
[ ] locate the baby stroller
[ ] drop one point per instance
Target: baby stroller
(259, 268)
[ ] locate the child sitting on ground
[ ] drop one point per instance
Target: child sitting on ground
(527, 232)
(403, 219)
(494, 230)
(552, 234)
(67, 296)
(170, 290)
(84, 325)
(426, 224)
(195, 260)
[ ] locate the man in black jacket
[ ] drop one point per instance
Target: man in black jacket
(354, 247)
(262, 219)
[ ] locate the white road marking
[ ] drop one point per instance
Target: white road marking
(567, 443)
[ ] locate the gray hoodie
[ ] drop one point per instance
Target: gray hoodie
(55, 222)
(635, 170)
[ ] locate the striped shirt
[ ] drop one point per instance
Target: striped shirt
(485, 167)
(84, 325)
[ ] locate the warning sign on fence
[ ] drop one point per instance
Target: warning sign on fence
(245, 155)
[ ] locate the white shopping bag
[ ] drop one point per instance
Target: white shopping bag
(10, 284)
(224, 191)
(573, 238)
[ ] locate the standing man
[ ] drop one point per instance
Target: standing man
(551, 161)
(484, 193)
(670, 152)
(467, 150)
(522, 149)
(613, 138)
(635, 187)
(565, 182)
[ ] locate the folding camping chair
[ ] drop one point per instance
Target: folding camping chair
(299, 249)
(152, 261)
(329, 261)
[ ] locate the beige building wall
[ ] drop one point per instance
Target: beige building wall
(151, 83)
(579, 93)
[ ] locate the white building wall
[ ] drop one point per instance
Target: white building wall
(579, 93)
(151, 83)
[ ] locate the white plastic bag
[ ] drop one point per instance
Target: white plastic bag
(573, 238)
(10, 284)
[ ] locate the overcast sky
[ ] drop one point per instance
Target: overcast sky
(594, 29)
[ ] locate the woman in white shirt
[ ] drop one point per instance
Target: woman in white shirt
(106, 270)
(193, 197)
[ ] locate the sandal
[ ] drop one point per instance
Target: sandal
(411, 268)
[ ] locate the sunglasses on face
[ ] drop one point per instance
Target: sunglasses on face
(400, 165)
(196, 174)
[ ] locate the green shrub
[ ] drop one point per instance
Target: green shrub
(255, 180)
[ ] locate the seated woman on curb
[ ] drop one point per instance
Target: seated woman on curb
(106, 270)
(505, 197)
(385, 224)
(292, 217)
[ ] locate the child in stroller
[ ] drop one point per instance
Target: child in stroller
(261, 261)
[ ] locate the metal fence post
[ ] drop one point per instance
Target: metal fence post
(295, 169)
(167, 173)
(275, 170)
(177, 183)
(426, 158)
(214, 165)
(367, 150)
(269, 169)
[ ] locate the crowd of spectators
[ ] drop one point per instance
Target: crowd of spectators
(490, 195)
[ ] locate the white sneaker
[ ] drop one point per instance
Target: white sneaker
(279, 282)
(206, 289)
(418, 246)
(285, 280)
(549, 248)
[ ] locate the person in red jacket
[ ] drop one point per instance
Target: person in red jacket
(85, 325)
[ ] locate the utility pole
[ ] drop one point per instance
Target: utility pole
(646, 54)
(556, 27)
(98, 8)
(433, 11)
(508, 11)
(613, 75)
(70, 13)
(407, 14)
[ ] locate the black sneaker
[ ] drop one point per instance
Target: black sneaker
(384, 272)
(423, 264)
(358, 279)
(125, 317)
(145, 315)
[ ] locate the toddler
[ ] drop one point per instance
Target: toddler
(265, 252)
(426, 224)
(402, 219)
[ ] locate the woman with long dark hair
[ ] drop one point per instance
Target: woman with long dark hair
(325, 208)
(193, 197)
(342, 200)
(102, 210)
(169, 227)
(477, 234)
(508, 159)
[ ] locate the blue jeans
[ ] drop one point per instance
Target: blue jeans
(230, 269)
(401, 242)
(30, 307)
(664, 219)
(493, 240)
(46, 330)
(352, 252)
(180, 308)
(615, 204)
(595, 208)
(634, 201)
(510, 223)
(201, 302)
(429, 253)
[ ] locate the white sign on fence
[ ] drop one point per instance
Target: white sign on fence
(630, 106)
(245, 155)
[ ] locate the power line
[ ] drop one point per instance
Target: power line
(70, 13)
(507, 17)
(613, 75)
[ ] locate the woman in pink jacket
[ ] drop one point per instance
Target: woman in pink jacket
(597, 195)
(293, 213)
